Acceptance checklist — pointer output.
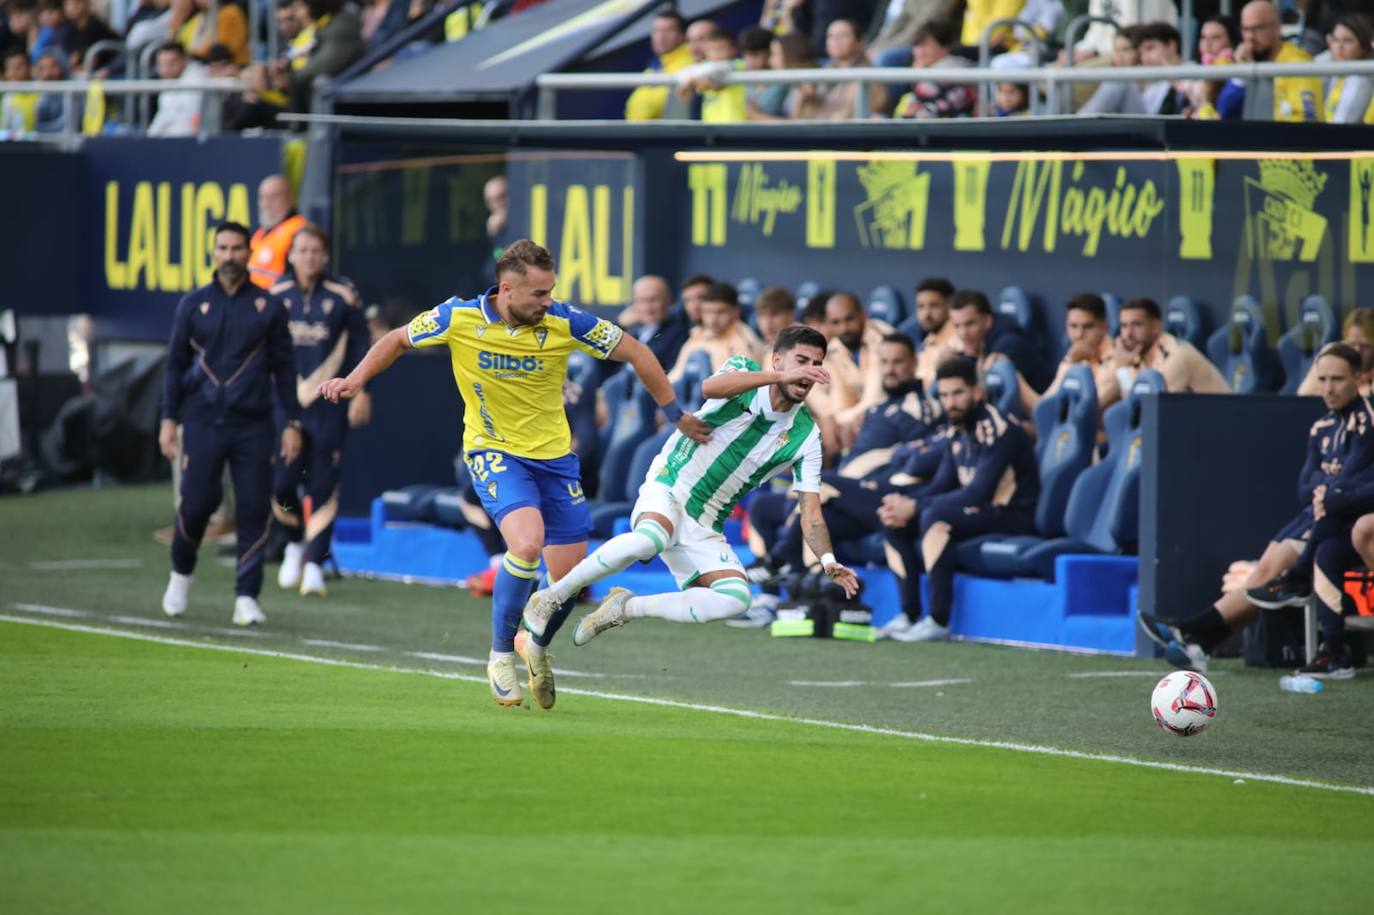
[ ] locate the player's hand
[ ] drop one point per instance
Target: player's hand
(694, 428)
(167, 439)
(844, 577)
(290, 444)
(360, 410)
(1319, 502)
(897, 510)
(813, 373)
(337, 389)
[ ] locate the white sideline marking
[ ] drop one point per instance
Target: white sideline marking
(51, 611)
(909, 684)
(482, 662)
(72, 565)
(146, 621)
(953, 681)
(827, 682)
(1088, 674)
(135, 620)
(717, 709)
(352, 646)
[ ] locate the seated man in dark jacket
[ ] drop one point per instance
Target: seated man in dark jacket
(987, 483)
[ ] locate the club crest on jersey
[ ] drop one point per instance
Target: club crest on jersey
(259, 303)
(491, 489)
(480, 330)
(541, 334)
(205, 308)
(327, 305)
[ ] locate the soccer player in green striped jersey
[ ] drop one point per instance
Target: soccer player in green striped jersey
(760, 426)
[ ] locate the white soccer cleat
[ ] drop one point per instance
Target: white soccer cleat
(312, 580)
(541, 672)
(889, 630)
(610, 614)
(504, 681)
(539, 609)
(289, 575)
(174, 598)
(927, 630)
(247, 612)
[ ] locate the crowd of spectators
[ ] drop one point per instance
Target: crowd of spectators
(954, 35)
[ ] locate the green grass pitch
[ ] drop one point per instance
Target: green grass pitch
(146, 773)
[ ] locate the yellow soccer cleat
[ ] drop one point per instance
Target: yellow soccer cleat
(541, 672)
(505, 683)
(610, 614)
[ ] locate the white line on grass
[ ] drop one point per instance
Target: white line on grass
(76, 565)
(909, 684)
(137, 620)
(1089, 674)
(954, 681)
(482, 662)
(352, 646)
(718, 709)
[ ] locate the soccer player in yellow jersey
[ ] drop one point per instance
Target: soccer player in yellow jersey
(510, 349)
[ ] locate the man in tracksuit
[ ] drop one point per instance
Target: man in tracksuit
(987, 483)
(329, 338)
(229, 347)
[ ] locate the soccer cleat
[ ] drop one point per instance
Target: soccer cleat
(289, 575)
(541, 672)
(764, 572)
(539, 609)
(247, 612)
(762, 611)
(1158, 631)
(312, 580)
(1290, 589)
(174, 598)
(610, 614)
(505, 683)
(1329, 664)
(927, 630)
(1186, 655)
(889, 630)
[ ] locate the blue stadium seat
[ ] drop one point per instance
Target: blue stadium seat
(1016, 305)
(748, 290)
(688, 388)
(585, 374)
(1184, 320)
(804, 293)
(631, 422)
(1316, 327)
(885, 304)
(448, 508)
(1113, 304)
(411, 503)
(1241, 350)
(912, 328)
(604, 514)
(1004, 392)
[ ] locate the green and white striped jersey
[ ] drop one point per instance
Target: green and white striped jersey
(750, 443)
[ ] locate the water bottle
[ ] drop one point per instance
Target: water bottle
(1300, 684)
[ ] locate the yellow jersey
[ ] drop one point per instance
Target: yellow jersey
(511, 378)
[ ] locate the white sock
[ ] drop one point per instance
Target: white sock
(615, 555)
(724, 599)
(498, 655)
(533, 647)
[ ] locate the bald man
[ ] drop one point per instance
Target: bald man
(278, 223)
(1288, 98)
(654, 321)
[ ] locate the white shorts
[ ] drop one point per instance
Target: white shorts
(693, 549)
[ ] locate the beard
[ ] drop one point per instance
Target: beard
(232, 271)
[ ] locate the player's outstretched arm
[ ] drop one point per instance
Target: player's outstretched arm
(645, 365)
(384, 352)
(729, 384)
(818, 538)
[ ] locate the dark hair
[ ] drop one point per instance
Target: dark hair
(698, 279)
(853, 27)
(815, 309)
(16, 51)
(943, 31)
(754, 40)
(1343, 351)
(235, 227)
(797, 52)
(716, 31)
(673, 15)
(1160, 31)
(965, 368)
(795, 335)
(173, 46)
(1227, 23)
(775, 299)
(900, 340)
(966, 298)
(521, 255)
(1360, 27)
(936, 284)
(841, 294)
(1132, 33)
(721, 292)
(1090, 302)
(314, 232)
(218, 54)
(23, 6)
(1149, 306)
(320, 8)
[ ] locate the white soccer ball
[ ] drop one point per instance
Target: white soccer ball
(1184, 703)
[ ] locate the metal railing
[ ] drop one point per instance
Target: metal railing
(549, 84)
(72, 89)
(985, 56)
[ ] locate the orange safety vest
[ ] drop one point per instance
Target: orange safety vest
(267, 263)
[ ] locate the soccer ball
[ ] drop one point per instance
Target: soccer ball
(1184, 703)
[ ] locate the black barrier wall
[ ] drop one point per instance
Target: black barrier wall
(1219, 477)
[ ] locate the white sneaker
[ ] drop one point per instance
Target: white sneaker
(889, 630)
(927, 630)
(505, 683)
(312, 580)
(174, 598)
(610, 614)
(247, 612)
(289, 575)
(539, 609)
